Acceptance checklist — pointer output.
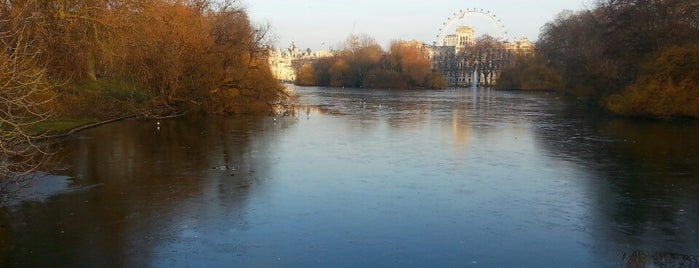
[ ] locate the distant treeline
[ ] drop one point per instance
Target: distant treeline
(363, 64)
(172, 54)
(634, 57)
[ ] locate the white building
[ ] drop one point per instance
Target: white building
(465, 36)
(461, 69)
(281, 61)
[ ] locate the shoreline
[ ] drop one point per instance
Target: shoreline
(87, 126)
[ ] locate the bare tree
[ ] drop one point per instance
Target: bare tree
(24, 93)
(489, 56)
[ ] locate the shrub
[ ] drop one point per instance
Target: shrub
(667, 87)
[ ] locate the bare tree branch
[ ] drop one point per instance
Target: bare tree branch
(23, 93)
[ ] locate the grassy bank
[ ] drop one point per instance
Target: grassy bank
(78, 105)
(59, 125)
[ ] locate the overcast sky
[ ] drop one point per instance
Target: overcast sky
(321, 24)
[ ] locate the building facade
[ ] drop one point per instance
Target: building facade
(284, 62)
(465, 62)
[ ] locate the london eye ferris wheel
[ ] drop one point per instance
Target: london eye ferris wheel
(500, 32)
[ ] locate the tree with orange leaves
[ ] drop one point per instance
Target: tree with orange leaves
(362, 63)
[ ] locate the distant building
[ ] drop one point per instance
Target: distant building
(521, 47)
(455, 58)
(465, 36)
(450, 40)
(462, 66)
(284, 62)
(324, 54)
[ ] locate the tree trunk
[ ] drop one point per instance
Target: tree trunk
(90, 66)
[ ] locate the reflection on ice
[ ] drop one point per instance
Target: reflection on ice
(365, 178)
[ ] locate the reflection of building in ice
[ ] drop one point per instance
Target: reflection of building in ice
(285, 62)
(460, 128)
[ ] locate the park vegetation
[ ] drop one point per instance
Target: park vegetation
(487, 55)
(529, 72)
(362, 63)
(65, 63)
(24, 91)
(634, 57)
